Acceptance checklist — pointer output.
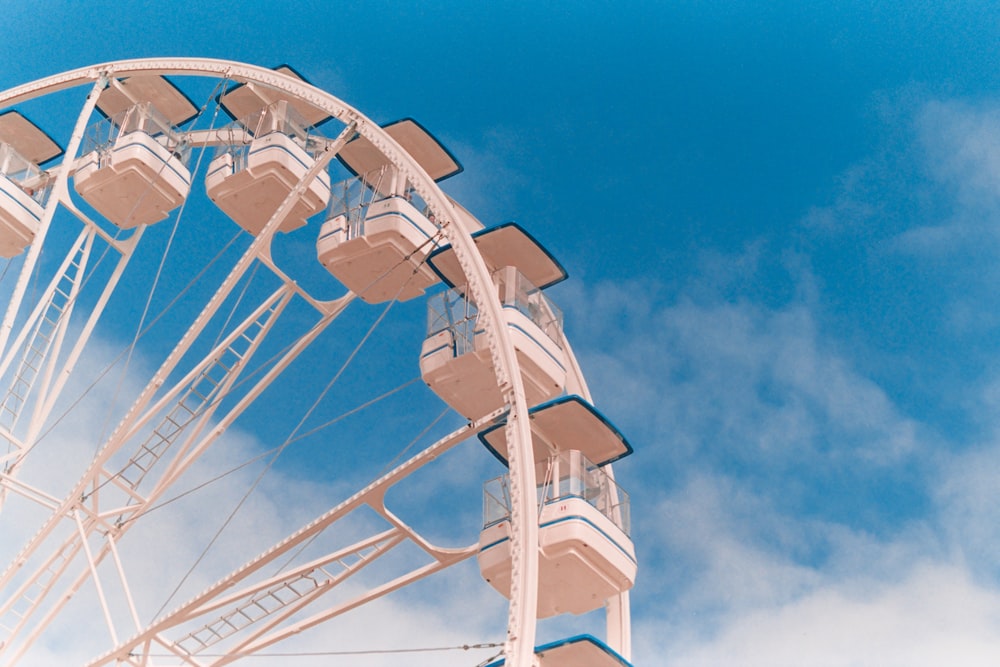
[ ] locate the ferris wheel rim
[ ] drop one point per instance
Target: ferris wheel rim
(470, 261)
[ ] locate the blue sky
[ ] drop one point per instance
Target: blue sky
(780, 224)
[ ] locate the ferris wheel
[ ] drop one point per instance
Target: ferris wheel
(199, 253)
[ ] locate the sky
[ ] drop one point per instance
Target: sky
(780, 224)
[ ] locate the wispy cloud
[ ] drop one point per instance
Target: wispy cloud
(934, 616)
(796, 502)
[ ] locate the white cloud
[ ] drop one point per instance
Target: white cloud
(739, 585)
(737, 546)
(934, 616)
(713, 374)
(962, 149)
(957, 146)
(735, 407)
(741, 415)
(967, 512)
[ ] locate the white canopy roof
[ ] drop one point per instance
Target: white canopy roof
(567, 422)
(168, 99)
(27, 138)
(246, 98)
(361, 157)
(505, 245)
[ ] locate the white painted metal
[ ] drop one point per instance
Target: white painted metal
(618, 608)
(42, 338)
(573, 423)
(60, 192)
(103, 504)
(122, 94)
(53, 297)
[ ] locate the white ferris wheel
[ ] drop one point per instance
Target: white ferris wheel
(191, 249)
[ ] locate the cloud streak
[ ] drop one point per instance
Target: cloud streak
(796, 502)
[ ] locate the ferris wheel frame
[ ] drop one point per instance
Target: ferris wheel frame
(521, 617)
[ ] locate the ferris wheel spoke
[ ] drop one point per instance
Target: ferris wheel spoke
(28, 491)
(39, 345)
(185, 409)
(112, 499)
(190, 404)
(41, 371)
(259, 609)
(256, 644)
(271, 604)
(73, 546)
(60, 191)
(17, 611)
(268, 603)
